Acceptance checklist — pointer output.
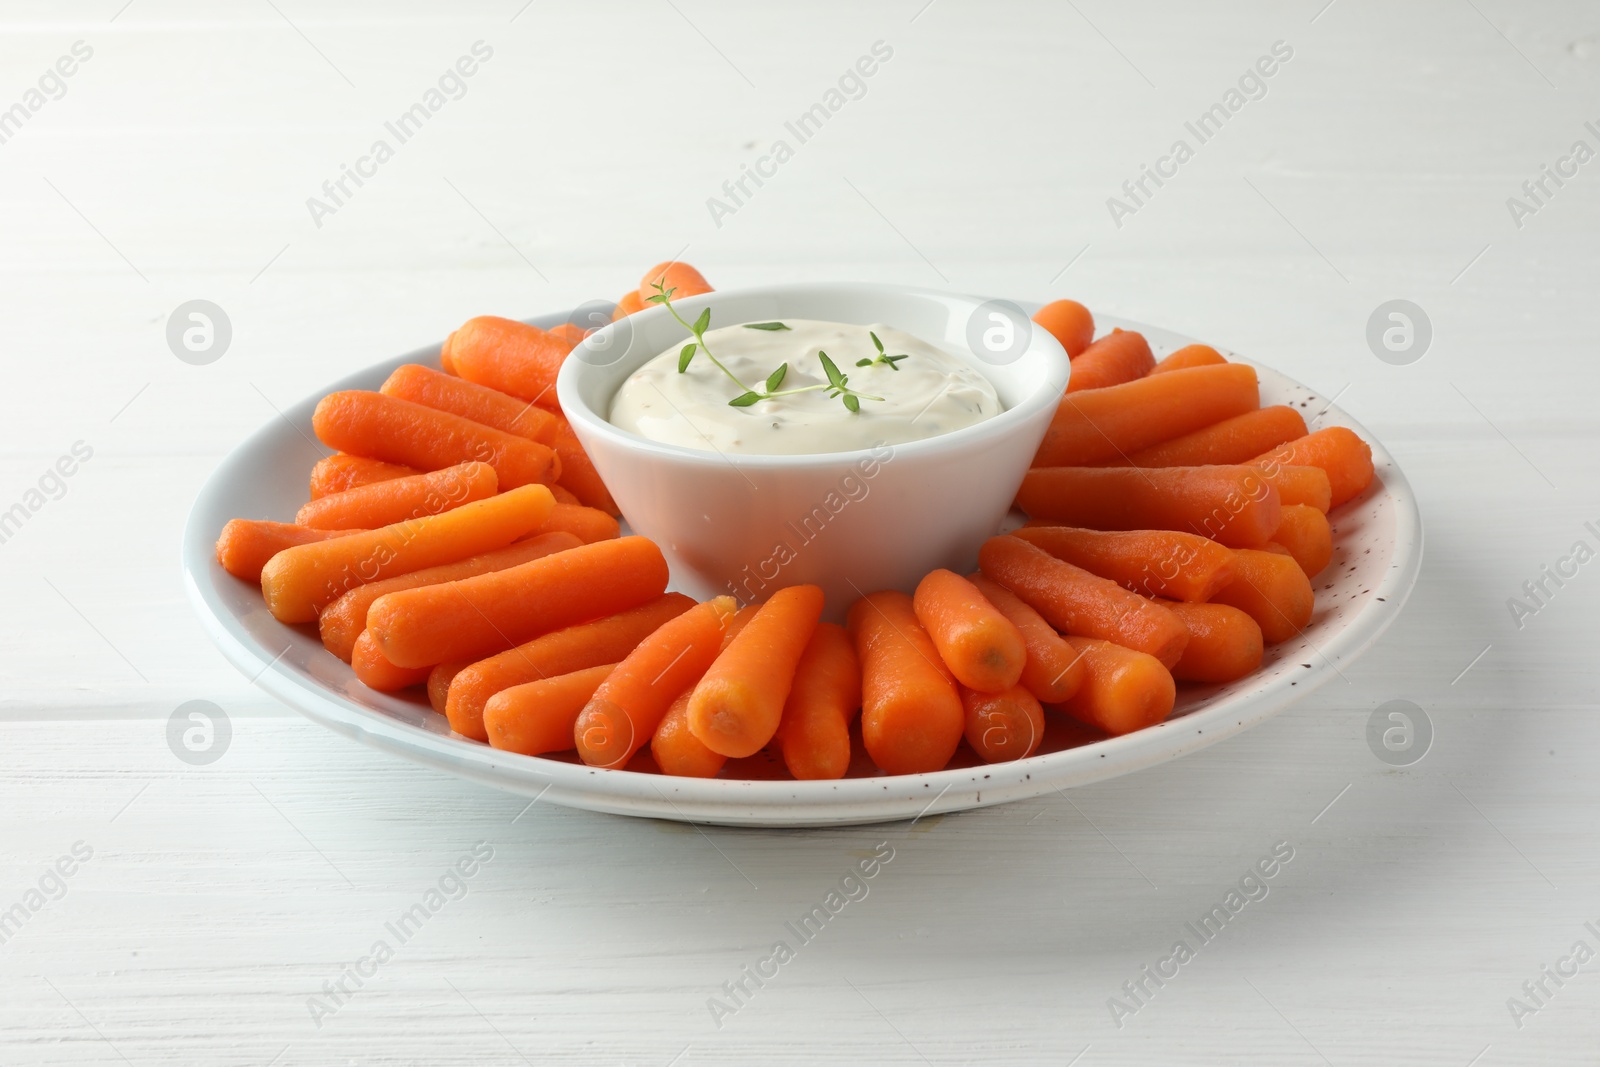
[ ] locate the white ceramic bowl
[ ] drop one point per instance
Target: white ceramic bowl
(850, 522)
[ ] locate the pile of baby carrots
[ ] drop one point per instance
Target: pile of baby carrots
(458, 540)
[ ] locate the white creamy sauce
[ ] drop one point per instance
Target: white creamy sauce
(926, 394)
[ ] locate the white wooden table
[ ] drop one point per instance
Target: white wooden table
(216, 901)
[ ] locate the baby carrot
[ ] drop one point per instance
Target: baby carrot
(1054, 670)
(589, 644)
(1122, 690)
(1271, 589)
(368, 507)
(245, 545)
(1305, 532)
(673, 275)
(1189, 356)
(568, 333)
(1003, 726)
(398, 431)
(631, 302)
(344, 620)
(1182, 566)
(976, 641)
(911, 715)
(814, 735)
(1237, 505)
(446, 363)
(624, 712)
(479, 616)
(586, 523)
(1236, 440)
(444, 392)
(1069, 322)
(1082, 604)
(1224, 643)
(300, 581)
(338, 472)
(577, 472)
(1345, 457)
(1098, 425)
(1297, 485)
(375, 671)
(564, 495)
(439, 680)
(737, 705)
(510, 356)
(674, 747)
(1120, 356)
(536, 717)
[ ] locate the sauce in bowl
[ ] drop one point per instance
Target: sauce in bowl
(907, 391)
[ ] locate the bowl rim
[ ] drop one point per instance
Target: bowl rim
(1046, 393)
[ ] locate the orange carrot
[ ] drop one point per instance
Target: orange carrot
(1305, 533)
(1224, 643)
(631, 302)
(1003, 726)
(737, 705)
(1189, 356)
(674, 747)
(510, 356)
(375, 671)
(470, 685)
(586, 523)
(568, 333)
(1069, 322)
(1120, 356)
(1236, 440)
(245, 545)
(1237, 505)
(1098, 425)
(1271, 589)
(624, 712)
(1122, 690)
(300, 581)
(479, 616)
(976, 641)
(814, 735)
(398, 431)
(368, 507)
(439, 680)
(911, 714)
(536, 717)
(1054, 669)
(674, 276)
(1298, 485)
(1344, 456)
(564, 495)
(344, 620)
(444, 392)
(338, 472)
(577, 472)
(1082, 604)
(447, 364)
(1182, 566)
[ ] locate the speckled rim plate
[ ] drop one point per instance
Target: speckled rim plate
(1377, 555)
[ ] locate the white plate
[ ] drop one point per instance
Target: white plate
(1377, 553)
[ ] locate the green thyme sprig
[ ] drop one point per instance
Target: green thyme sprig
(883, 357)
(838, 384)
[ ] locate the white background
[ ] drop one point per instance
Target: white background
(219, 899)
